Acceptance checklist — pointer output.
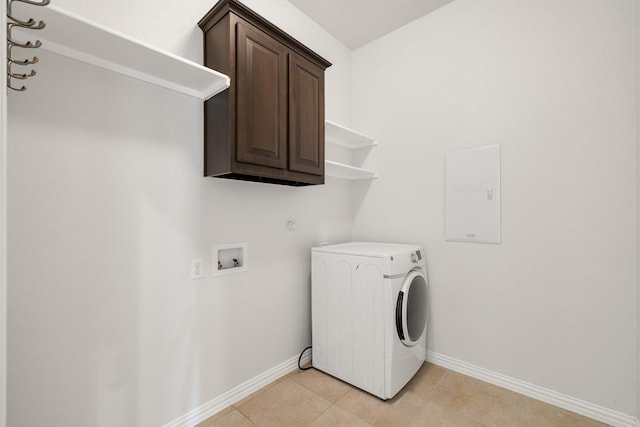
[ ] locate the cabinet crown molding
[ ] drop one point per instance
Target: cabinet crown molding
(225, 6)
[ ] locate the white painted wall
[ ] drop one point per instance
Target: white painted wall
(637, 92)
(107, 207)
(3, 220)
(172, 25)
(553, 83)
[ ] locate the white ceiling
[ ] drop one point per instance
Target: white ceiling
(357, 22)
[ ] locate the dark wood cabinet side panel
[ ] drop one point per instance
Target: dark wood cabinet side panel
(262, 98)
(216, 47)
(216, 135)
(306, 116)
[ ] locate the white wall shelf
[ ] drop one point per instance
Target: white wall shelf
(339, 135)
(83, 40)
(341, 170)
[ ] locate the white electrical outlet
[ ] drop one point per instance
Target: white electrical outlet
(197, 268)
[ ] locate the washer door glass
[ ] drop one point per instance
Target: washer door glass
(411, 308)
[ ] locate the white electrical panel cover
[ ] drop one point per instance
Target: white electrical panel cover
(472, 195)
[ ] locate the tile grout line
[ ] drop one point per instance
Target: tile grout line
(428, 397)
(332, 403)
(446, 372)
(304, 386)
(321, 413)
(245, 400)
(244, 416)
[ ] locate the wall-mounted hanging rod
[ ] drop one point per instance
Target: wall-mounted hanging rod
(30, 24)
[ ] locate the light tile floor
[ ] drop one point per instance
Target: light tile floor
(434, 397)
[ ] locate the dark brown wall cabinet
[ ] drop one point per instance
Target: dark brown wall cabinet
(269, 125)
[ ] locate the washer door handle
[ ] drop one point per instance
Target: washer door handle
(411, 309)
(399, 305)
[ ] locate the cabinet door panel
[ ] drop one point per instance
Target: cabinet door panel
(306, 116)
(262, 99)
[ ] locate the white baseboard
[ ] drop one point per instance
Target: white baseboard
(570, 403)
(596, 412)
(238, 393)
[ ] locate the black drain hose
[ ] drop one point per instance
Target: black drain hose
(300, 358)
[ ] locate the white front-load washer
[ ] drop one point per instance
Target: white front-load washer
(369, 305)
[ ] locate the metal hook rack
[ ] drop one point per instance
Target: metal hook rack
(30, 24)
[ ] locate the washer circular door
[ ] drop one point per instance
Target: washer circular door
(411, 308)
